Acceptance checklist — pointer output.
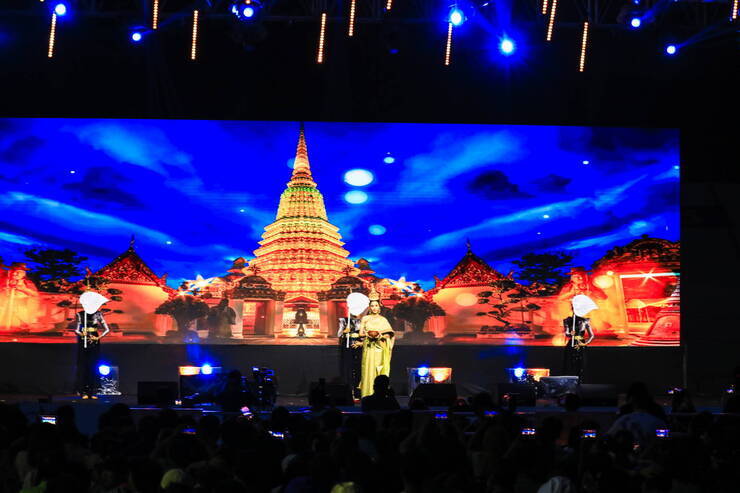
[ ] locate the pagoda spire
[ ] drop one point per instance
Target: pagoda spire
(302, 197)
(301, 252)
(301, 176)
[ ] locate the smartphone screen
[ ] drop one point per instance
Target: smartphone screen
(528, 432)
(189, 431)
(662, 433)
(49, 419)
(277, 434)
(440, 416)
(588, 434)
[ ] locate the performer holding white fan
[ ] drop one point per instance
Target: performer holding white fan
(350, 343)
(90, 327)
(578, 331)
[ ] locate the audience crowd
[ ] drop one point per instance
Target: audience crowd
(472, 447)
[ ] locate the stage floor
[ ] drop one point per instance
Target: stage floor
(56, 338)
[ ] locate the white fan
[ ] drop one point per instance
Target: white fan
(583, 305)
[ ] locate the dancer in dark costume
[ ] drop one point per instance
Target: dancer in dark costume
(90, 328)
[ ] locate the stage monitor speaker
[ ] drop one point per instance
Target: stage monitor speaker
(339, 394)
(524, 393)
(157, 393)
(436, 394)
(596, 394)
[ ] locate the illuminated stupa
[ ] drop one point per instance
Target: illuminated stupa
(301, 251)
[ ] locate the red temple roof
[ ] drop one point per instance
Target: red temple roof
(471, 270)
(129, 268)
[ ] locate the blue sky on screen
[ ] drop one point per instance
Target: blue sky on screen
(197, 194)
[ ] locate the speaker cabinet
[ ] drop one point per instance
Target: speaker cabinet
(436, 394)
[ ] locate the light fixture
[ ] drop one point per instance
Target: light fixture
(194, 40)
(322, 39)
(551, 22)
(582, 62)
(352, 12)
(507, 47)
(155, 14)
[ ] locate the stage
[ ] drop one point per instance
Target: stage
(49, 369)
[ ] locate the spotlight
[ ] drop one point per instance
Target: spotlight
(60, 9)
(456, 16)
(206, 369)
(423, 371)
(671, 49)
(636, 22)
(507, 47)
(104, 370)
(519, 372)
(246, 10)
(136, 36)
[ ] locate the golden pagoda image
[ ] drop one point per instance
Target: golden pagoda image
(301, 252)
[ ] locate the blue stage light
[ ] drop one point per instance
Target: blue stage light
(507, 47)
(60, 9)
(671, 49)
(456, 17)
(206, 369)
(636, 22)
(136, 36)
(104, 370)
(246, 10)
(423, 371)
(519, 372)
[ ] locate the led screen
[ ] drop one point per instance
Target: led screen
(256, 232)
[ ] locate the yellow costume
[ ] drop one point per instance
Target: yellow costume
(376, 352)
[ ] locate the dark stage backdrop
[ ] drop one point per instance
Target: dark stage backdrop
(49, 368)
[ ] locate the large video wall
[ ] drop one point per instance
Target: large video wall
(255, 232)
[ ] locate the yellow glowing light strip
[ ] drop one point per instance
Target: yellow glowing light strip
(545, 4)
(322, 35)
(194, 43)
(52, 35)
(584, 41)
(389, 5)
(734, 9)
(155, 14)
(642, 276)
(352, 9)
(448, 49)
(551, 24)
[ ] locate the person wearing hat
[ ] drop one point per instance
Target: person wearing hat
(90, 327)
(376, 335)
(581, 294)
(18, 298)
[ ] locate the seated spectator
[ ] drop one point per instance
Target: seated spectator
(638, 390)
(382, 398)
(641, 423)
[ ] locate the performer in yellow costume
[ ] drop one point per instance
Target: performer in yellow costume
(377, 345)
